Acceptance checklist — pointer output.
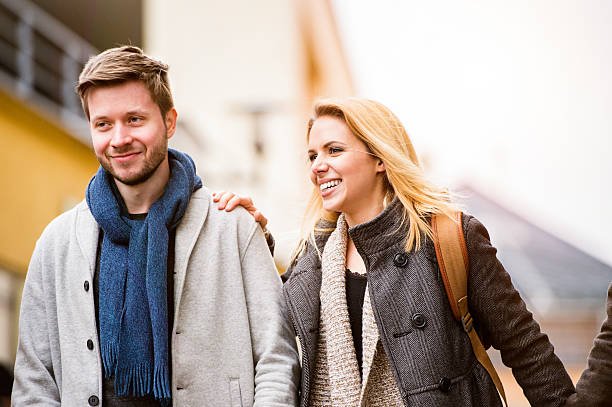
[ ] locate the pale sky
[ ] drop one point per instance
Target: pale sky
(512, 97)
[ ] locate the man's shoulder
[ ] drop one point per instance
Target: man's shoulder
(238, 216)
(65, 222)
(204, 218)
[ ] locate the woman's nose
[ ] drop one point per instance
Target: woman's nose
(319, 165)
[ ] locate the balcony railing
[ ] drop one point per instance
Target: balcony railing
(40, 60)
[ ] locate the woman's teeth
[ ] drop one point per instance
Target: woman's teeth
(329, 184)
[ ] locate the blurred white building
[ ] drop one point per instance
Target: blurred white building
(512, 96)
(244, 75)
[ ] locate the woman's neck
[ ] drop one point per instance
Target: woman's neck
(356, 218)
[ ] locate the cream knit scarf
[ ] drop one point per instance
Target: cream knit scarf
(336, 380)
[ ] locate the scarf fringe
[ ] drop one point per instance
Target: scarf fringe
(109, 358)
(162, 382)
(140, 380)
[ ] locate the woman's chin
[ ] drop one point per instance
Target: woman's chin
(332, 206)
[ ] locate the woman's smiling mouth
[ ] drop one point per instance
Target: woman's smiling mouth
(329, 187)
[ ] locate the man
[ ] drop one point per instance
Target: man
(142, 295)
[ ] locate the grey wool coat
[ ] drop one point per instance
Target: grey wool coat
(231, 345)
(430, 355)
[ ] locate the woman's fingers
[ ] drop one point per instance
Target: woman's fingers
(243, 201)
(260, 218)
(224, 198)
(229, 201)
(217, 195)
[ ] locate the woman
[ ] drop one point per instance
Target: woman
(364, 291)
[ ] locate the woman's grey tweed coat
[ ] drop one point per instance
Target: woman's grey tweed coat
(430, 356)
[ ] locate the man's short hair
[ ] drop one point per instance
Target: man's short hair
(122, 64)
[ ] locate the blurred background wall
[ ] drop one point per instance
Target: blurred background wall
(507, 103)
(244, 76)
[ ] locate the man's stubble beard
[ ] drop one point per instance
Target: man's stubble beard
(157, 152)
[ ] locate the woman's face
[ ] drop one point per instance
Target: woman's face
(349, 177)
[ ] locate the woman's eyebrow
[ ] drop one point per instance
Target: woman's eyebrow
(310, 150)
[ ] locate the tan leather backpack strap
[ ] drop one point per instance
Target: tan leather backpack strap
(451, 252)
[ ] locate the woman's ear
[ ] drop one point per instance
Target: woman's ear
(380, 166)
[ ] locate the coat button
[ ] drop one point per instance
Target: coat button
(400, 260)
(86, 285)
(444, 384)
(419, 321)
(93, 400)
(89, 344)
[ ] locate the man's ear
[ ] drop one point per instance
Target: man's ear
(170, 121)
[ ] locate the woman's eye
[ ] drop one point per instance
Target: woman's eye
(335, 150)
(312, 157)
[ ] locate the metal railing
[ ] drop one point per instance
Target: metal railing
(40, 60)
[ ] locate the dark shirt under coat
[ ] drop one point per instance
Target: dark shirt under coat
(429, 353)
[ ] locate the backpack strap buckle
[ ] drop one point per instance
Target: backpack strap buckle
(467, 322)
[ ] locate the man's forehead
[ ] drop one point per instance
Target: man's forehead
(133, 87)
(126, 97)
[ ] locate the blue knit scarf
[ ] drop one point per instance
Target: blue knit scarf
(133, 293)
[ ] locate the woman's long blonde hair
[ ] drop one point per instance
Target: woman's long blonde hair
(383, 133)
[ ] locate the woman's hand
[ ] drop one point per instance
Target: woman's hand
(229, 200)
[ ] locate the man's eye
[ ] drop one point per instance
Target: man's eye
(101, 125)
(135, 120)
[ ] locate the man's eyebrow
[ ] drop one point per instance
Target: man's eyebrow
(136, 112)
(99, 117)
(133, 112)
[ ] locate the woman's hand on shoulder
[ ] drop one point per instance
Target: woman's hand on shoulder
(229, 200)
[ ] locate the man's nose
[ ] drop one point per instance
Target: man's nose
(121, 136)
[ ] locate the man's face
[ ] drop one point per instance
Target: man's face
(130, 137)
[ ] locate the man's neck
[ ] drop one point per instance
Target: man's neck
(139, 198)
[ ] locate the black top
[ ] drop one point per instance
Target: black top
(109, 398)
(355, 293)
